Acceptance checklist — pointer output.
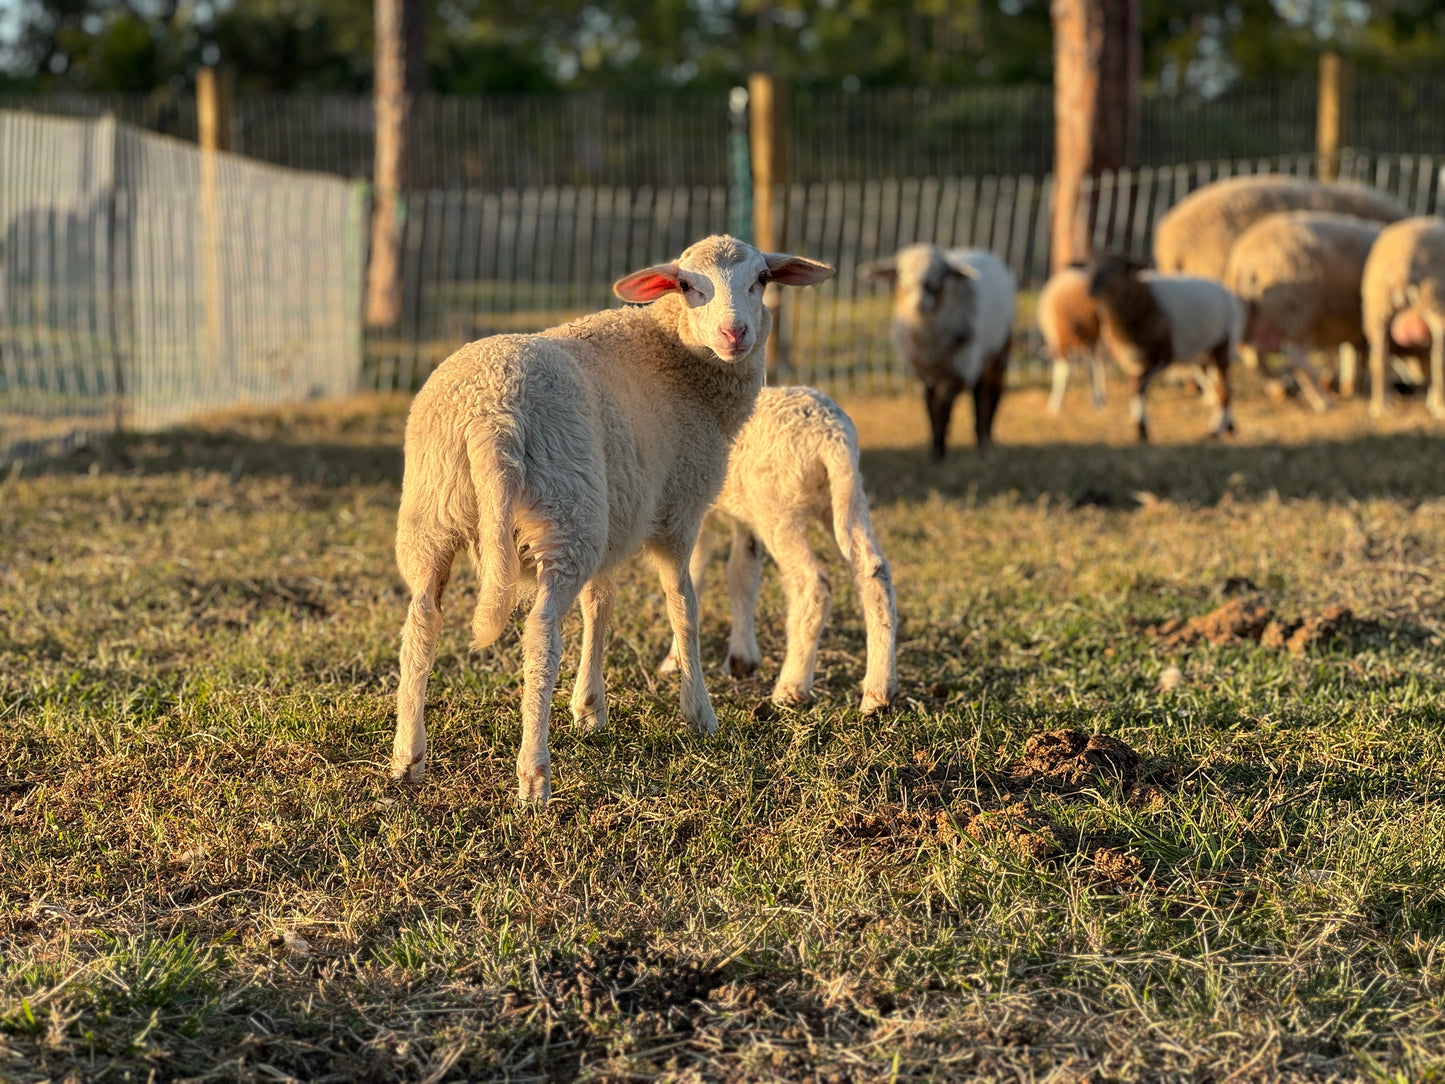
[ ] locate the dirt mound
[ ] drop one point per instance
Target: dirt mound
(1017, 828)
(1072, 757)
(1251, 619)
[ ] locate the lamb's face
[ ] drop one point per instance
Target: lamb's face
(924, 282)
(720, 281)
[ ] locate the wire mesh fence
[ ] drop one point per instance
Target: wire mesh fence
(142, 281)
(679, 139)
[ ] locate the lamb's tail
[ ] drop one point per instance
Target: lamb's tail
(845, 492)
(495, 455)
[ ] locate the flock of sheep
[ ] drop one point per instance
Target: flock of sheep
(554, 457)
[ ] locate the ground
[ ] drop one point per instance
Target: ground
(1085, 846)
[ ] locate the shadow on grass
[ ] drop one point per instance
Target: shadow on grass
(1398, 466)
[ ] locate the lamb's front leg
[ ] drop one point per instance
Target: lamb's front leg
(589, 694)
(1435, 396)
(541, 659)
(809, 593)
(671, 560)
(745, 578)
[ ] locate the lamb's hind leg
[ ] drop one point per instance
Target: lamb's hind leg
(425, 571)
(745, 578)
(671, 561)
(589, 694)
(880, 617)
(1435, 397)
(1219, 371)
(541, 659)
(809, 593)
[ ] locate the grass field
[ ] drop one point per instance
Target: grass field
(205, 873)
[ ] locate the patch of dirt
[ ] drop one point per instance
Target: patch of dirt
(1017, 828)
(1071, 757)
(1249, 618)
(1117, 866)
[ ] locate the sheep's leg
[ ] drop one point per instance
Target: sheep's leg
(939, 399)
(986, 395)
(1058, 384)
(880, 617)
(1435, 397)
(1349, 370)
(541, 659)
(809, 593)
(1219, 371)
(426, 575)
(697, 568)
(697, 710)
(745, 577)
(1138, 386)
(1379, 350)
(1098, 368)
(589, 694)
(1305, 378)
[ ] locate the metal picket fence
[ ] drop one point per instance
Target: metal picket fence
(142, 282)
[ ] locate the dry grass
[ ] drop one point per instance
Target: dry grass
(204, 873)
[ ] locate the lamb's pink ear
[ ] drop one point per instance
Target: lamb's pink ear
(796, 271)
(648, 284)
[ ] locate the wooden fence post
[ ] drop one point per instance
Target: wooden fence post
(1330, 116)
(767, 102)
(213, 119)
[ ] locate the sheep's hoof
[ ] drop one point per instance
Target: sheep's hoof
(702, 722)
(875, 702)
(791, 696)
(740, 666)
(591, 714)
(534, 786)
(668, 665)
(409, 770)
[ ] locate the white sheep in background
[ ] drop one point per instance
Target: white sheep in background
(1299, 276)
(1148, 320)
(1196, 235)
(1403, 299)
(953, 312)
(1068, 320)
(796, 463)
(556, 456)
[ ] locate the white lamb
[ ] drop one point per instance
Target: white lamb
(796, 463)
(953, 314)
(563, 453)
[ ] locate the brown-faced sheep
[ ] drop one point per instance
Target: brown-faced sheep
(1403, 299)
(553, 457)
(1197, 234)
(1148, 320)
(1299, 276)
(953, 312)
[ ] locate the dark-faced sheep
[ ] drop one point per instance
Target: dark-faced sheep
(1148, 320)
(953, 312)
(554, 457)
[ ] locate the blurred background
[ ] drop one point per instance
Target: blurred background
(206, 203)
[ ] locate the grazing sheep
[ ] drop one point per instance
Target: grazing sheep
(1148, 320)
(1403, 298)
(795, 463)
(556, 456)
(1068, 320)
(1298, 275)
(953, 312)
(1196, 235)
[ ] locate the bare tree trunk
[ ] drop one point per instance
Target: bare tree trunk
(1097, 50)
(400, 81)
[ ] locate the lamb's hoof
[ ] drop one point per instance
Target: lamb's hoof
(739, 666)
(876, 702)
(668, 665)
(591, 715)
(791, 696)
(702, 722)
(534, 786)
(408, 770)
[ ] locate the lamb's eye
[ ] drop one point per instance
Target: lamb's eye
(684, 285)
(763, 277)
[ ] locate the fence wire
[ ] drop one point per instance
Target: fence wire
(142, 282)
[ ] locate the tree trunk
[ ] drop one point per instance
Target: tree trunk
(400, 82)
(1097, 50)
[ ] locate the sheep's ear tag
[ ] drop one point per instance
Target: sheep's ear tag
(648, 284)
